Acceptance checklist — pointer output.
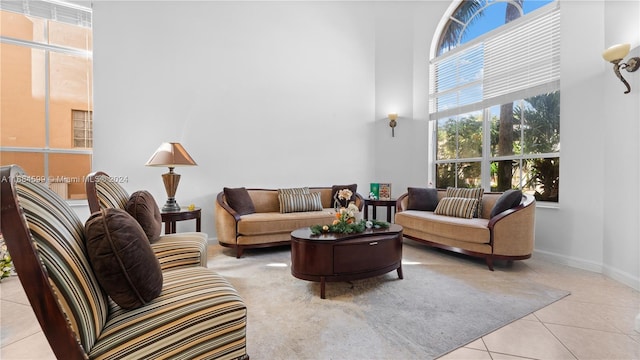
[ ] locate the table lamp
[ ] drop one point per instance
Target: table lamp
(171, 154)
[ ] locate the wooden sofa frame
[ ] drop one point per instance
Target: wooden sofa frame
(527, 202)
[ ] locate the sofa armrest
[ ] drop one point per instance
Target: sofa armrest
(401, 203)
(359, 202)
(226, 221)
(513, 230)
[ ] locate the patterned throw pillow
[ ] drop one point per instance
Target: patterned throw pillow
(456, 206)
(302, 190)
(472, 193)
(299, 202)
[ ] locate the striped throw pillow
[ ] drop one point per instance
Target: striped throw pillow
(301, 190)
(299, 202)
(472, 193)
(456, 206)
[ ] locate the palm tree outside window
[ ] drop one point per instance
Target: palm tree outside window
(495, 100)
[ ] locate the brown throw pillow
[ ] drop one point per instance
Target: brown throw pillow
(143, 207)
(509, 199)
(336, 188)
(425, 199)
(239, 200)
(122, 258)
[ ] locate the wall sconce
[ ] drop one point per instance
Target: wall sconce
(393, 123)
(171, 155)
(614, 55)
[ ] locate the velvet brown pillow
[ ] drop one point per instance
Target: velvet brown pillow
(509, 199)
(425, 199)
(239, 200)
(122, 258)
(336, 188)
(143, 207)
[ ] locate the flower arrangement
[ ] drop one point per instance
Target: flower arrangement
(342, 198)
(5, 261)
(345, 221)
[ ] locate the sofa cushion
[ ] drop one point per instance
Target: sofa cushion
(471, 193)
(143, 207)
(122, 258)
(299, 202)
(440, 226)
(239, 200)
(335, 189)
(509, 199)
(425, 199)
(262, 224)
(457, 206)
(197, 315)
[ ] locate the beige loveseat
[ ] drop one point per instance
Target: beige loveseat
(509, 235)
(268, 226)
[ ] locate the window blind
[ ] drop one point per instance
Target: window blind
(525, 57)
(62, 11)
(505, 65)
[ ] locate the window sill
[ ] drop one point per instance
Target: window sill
(547, 205)
(77, 203)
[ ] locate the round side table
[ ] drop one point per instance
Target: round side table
(170, 218)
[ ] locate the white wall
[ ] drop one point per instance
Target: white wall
(574, 230)
(403, 38)
(621, 123)
(272, 94)
(261, 94)
(596, 224)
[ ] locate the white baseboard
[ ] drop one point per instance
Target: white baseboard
(623, 277)
(615, 274)
(569, 261)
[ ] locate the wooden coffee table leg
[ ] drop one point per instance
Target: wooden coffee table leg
(322, 283)
(400, 272)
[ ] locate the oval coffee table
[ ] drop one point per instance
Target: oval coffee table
(344, 257)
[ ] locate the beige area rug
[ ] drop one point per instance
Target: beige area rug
(444, 301)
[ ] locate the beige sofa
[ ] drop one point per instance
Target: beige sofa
(509, 235)
(267, 226)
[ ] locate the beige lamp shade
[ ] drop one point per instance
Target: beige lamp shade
(616, 52)
(171, 154)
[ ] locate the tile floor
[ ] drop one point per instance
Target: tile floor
(595, 322)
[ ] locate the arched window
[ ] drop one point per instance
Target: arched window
(494, 97)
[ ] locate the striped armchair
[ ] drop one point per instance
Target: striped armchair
(172, 250)
(198, 314)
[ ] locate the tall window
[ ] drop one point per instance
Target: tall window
(494, 98)
(47, 97)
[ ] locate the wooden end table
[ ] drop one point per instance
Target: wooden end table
(171, 217)
(344, 257)
(388, 203)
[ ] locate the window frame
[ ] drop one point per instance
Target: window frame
(485, 105)
(61, 12)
